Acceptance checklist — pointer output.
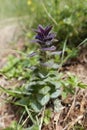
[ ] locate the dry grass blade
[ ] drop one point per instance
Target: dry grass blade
(72, 123)
(72, 106)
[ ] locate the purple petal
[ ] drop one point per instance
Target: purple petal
(49, 38)
(48, 29)
(41, 29)
(52, 48)
(37, 31)
(34, 41)
(39, 36)
(37, 41)
(52, 35)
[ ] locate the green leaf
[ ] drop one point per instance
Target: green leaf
(43, 100)
(64, 95)
(23, 101)
(82, 85)
(41, 75)
(47, 116)
(57, 105)
(46, 120)
(55, 66)
(35, 106)
(56, 93)
(44, 90)
(57, 84)
(41, 82)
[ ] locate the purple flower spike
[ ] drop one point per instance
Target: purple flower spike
(44, 36)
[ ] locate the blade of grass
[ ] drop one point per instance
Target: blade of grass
(49, 15)
(62, 58)
(13, 92)
(30, 115)
(83, 42)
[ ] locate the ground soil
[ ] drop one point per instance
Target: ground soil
(10, 40)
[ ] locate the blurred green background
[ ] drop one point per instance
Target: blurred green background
(69, 17)
(13, 8)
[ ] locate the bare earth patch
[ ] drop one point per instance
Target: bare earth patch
(80, 69)
(7, 37)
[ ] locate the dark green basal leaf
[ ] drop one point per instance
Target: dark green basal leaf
(43, 100)
(28, 87)
(56, 84)
(33, 87)
(23, 101)
(41, 75)
(34, 83)
(44, 90)
(35, 106)
(41, 82)
(54, 74)
(56, 93)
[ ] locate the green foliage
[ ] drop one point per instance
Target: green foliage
(41, 84)
(14, 126)
(70, 83)
(47, 116)
(38, 89)
(68, 18)
(34, 127)
(19, 67)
